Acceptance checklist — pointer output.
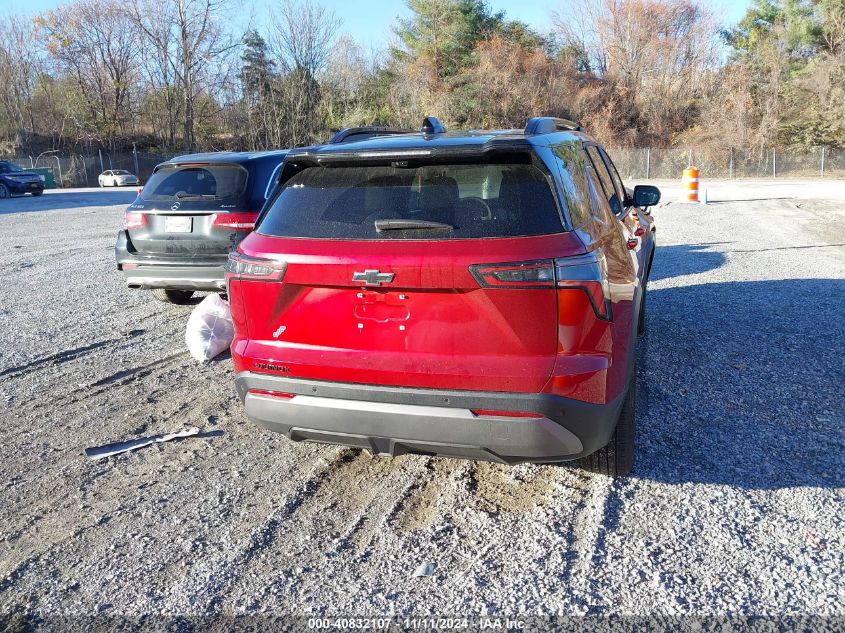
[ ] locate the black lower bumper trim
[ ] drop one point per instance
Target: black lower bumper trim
(395, 420)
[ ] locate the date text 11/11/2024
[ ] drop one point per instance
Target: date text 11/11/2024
(418, 623)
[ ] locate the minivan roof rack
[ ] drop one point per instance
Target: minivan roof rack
(548, 124)
(432, 125)
(369, 131)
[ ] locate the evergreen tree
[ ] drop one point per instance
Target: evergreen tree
(258, 70)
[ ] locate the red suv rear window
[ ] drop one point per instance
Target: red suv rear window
(472, 200)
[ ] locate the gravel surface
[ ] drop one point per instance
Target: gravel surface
(735, 506)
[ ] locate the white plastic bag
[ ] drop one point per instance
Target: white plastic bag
(210, 329)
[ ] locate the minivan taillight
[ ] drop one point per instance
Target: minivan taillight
(243, 267)
(235, 221)
(134, 220)
(587, 273)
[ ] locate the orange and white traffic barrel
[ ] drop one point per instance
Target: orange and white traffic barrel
(690, 184)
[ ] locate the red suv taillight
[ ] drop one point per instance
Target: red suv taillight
(537, 274)
(243, 267)
(134, 220)
(588, 273)
(235, 221)
(581, 272)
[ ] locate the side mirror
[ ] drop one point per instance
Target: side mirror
(646, 196)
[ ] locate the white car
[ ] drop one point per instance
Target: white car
(117, 178)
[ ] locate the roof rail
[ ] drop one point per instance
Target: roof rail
(431, 125)
(548, 124)
(369, 131)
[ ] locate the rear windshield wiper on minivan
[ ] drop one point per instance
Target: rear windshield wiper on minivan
(399, 225)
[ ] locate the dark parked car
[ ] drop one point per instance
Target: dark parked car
(17, 180)
(193, 210)
(472, 294)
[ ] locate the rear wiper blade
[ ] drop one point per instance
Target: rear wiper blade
(199, 196)
(399, 225)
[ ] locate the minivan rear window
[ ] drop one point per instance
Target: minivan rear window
(196, 182)
(457, 202)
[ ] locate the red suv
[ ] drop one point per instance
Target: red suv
(473, 294)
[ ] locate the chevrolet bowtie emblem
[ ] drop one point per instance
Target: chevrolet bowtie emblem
(372, 277)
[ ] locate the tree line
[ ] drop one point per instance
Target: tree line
(174, 75)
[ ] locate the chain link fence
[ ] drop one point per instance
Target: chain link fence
(653, 163)
(78, 170)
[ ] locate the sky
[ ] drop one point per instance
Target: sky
(369, 21)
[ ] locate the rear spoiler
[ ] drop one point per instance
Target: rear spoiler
(327, 155)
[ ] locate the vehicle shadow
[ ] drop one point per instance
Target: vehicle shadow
(53, 200)
(741, 383)
(686, 259)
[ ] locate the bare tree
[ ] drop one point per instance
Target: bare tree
(658, 54)
(162, 99)
(302, 35)
(190, 36)
(94, 41)
(19, 67)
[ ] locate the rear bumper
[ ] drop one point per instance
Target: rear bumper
(24, 187)
(206, 272)
(397, 420)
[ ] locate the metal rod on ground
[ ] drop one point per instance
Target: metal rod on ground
(135, 158)
(689, 157)
(648, 163)
(102, 169)
(774, 163)
(822, 161)
(731, 165)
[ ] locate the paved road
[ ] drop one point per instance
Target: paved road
(69, 200)
(755, 190)
(735, 506)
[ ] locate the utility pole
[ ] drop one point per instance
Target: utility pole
(135, 158)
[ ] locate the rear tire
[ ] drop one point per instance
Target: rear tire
(37, 193)
(4, 191)
(617, 458)
(176, 297)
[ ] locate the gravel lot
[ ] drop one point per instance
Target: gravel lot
(736, 506)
